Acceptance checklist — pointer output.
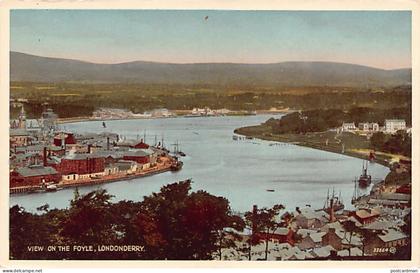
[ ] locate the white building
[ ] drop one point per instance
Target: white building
(369, 126)
(393, 125)
(346, 127)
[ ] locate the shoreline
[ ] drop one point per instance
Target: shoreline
(233, 114)
(284, 139)
(92, 182)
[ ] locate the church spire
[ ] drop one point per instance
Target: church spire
(22, 118)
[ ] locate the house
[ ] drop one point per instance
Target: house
(393, 125)
(369, 127)
(312, 241)
(365, 216)
(34, 176)
(354, 251)
(139, 156)
(126, 166)
(380, 226)
(331, 238)
(309, 219)
(348, 127)
(141, 145)
(280, 235)
(63, 139)
(19, 137)
(386, 243)
(323, 252)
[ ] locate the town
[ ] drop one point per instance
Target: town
(378, 228)
(45, 158)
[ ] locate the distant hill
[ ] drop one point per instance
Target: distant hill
(25, 67)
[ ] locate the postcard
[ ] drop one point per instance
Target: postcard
(142, 133)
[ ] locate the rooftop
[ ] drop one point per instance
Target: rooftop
(392, 235)
(36, 170)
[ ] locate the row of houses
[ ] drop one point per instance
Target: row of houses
(391, 126)
(77, 166)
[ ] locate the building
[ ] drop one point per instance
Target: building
(64, 139)
(309, 219)
(141, 156)
(331, 238)
(386, 243)
(348, 127)
(365, 217)
(49, 120)
(82, 164)
(33, 176)
(19, 137)
(369, 127)
(161, 113)
(393, 125)
(280, 235)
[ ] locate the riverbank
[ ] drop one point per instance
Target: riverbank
(179, 114)
(346, 143)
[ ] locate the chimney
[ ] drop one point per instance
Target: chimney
(45, 156)
(332, 217)
(87, 165)
(107, 143)
(254, 214)
(63, 142)
(89, 148)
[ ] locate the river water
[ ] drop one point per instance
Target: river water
(241, 171)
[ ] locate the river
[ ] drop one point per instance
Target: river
(241, 171)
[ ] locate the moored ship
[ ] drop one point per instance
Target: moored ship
(365, 179)
(176, 165)
(333, 202)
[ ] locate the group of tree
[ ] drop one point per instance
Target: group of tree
(173, 224)
(398, 143)
(75, 99)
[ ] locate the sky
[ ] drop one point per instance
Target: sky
(379, 39)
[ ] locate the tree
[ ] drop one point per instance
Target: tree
(367, 236)
(264, 223)
(377, 141)
(349, 226)
(176, 224)
(90, 221)
(227, 238)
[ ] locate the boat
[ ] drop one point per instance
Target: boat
(181, 153)
(334, 202)
(234, 137)
(269, 190)
(176, 165)
(364, 179)
(51, 188)
(103, 124)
